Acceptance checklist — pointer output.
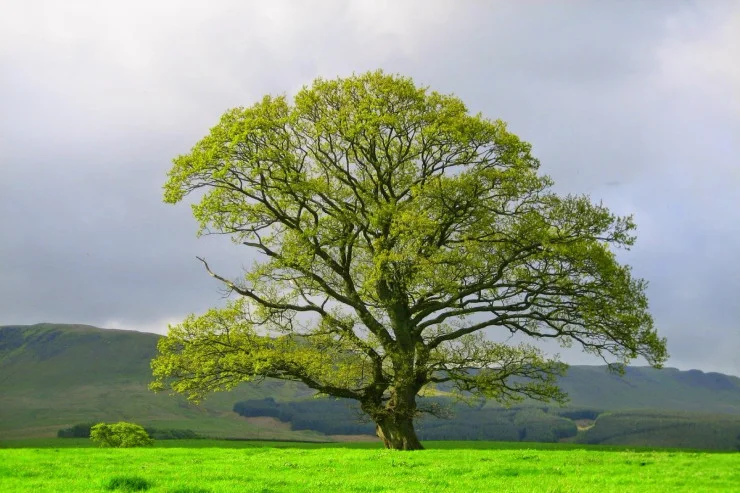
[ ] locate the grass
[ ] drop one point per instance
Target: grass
(127, 483)
(64, 443)
(225, 466)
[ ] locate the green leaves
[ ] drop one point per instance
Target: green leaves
(495, 370)
(388, 224)
(221, 349)
(120, 435)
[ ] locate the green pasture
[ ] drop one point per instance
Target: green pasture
(225, 466)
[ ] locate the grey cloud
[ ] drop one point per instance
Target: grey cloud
(98, 98)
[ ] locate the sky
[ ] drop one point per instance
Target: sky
(636, 104)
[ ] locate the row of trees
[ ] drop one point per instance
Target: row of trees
(535, 424)
(83, 430)
(453, 422)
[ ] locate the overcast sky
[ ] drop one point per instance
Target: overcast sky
(635, 103)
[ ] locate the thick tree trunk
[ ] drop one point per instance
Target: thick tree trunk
(397, 432)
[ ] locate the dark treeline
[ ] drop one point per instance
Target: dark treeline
(536, 424)
(82, 430)
(343, 417)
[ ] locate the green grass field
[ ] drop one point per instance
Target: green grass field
(225, 466)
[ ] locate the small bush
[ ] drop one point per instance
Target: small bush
(127, 483)
(120, 435)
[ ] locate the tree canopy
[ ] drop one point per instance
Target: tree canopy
(397, 240)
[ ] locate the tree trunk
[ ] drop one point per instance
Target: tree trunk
(397, 432)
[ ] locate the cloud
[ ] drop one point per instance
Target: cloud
(701, 50)
(635, 104)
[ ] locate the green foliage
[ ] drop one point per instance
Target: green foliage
(127, 483)
(120, 435)
(400, 226)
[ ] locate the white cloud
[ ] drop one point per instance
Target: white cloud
(700, 53)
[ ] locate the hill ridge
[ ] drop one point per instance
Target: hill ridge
(55, 375)
(67, 326)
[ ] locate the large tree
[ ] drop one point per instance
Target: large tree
(396, 238)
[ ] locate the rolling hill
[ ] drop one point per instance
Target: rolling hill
(53, 376)
(648, 388)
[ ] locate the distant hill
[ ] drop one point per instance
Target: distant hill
(648, 388)
(52, 376)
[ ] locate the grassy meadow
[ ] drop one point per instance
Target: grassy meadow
(226, 466)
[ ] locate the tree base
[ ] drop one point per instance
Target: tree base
(398, 434)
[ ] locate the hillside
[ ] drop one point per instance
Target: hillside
(648, 388)
(52, 376)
